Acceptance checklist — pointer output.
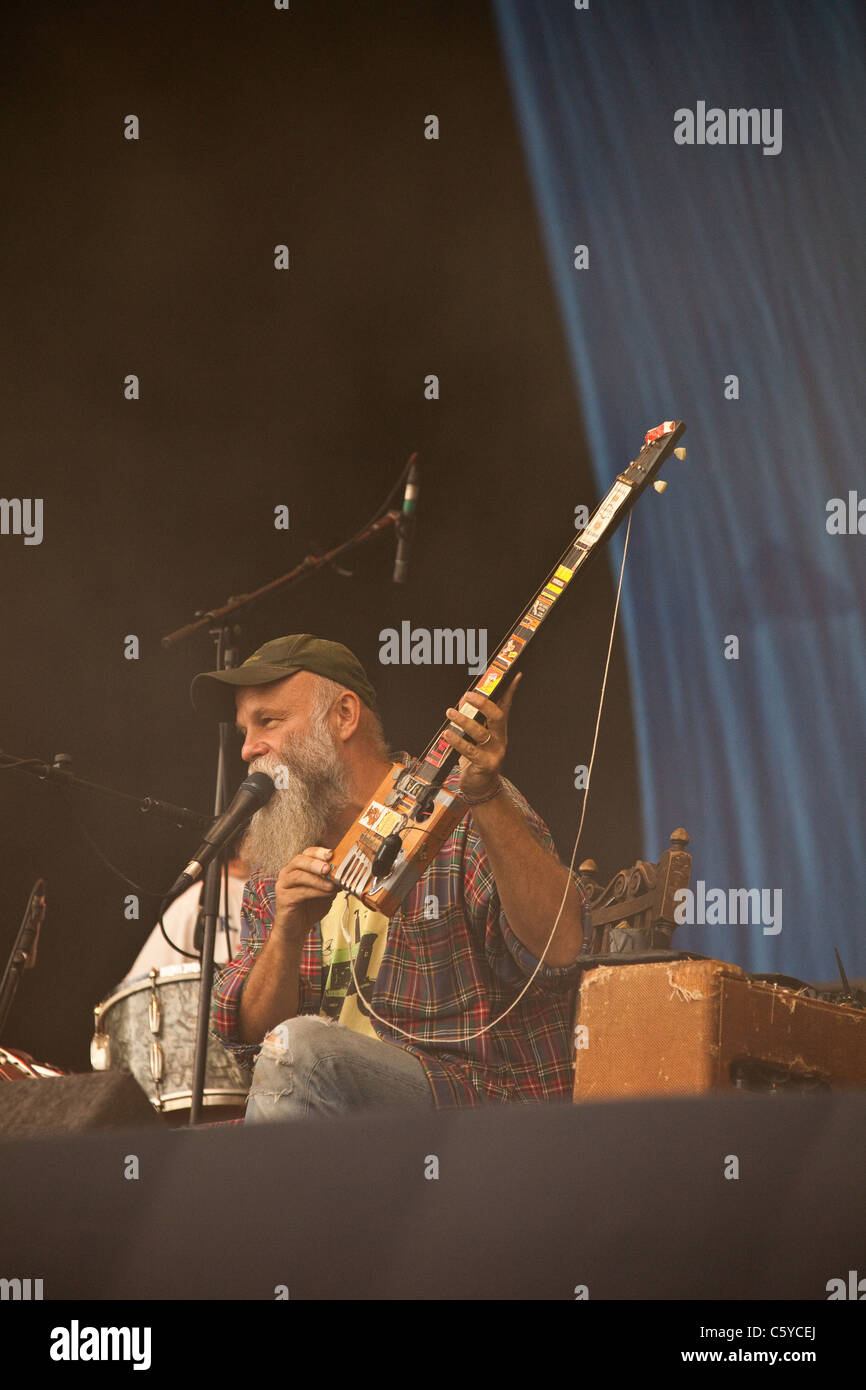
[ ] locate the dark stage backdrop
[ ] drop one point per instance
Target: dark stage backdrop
(725, 286)
(259, 387)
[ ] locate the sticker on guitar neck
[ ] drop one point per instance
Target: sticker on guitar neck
(511, 651)
(505, 657)
(605, 514)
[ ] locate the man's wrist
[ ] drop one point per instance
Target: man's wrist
(290, 933)
(488, 796)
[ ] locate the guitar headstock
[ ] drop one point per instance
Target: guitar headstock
(659, 443)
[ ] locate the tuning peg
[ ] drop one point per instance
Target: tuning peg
(679, 454)
(660, 484)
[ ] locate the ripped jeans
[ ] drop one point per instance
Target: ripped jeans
(311, 1066)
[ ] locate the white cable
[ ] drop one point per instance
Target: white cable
(470, 1037)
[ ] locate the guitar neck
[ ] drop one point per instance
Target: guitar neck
(439, 757)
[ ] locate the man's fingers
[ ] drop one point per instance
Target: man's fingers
(493, 713)
(315, 860)
(305, 886)
(314, 852)
(505, 702)
(313, 866)
(476, 731)
(463, 746)
(305, 877)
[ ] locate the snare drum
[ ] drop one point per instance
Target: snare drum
(148, 1028)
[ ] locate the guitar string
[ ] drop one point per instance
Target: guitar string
(470, 1037)
(507, 675)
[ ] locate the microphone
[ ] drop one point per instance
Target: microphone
(252, 794)
(406, 524)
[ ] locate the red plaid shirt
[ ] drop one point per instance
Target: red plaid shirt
(443, 979)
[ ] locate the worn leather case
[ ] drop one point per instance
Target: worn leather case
(688, 1027)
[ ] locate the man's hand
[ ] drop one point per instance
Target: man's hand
(531, 882)
(481, 764)
(302, 892)
(271, 993)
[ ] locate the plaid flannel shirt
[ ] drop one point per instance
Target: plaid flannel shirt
(441, 980)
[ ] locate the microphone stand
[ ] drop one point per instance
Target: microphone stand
(226, 659)
(23, 955)
(309, 565)
(58, 771)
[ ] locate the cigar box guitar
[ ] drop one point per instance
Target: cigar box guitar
(412, 813)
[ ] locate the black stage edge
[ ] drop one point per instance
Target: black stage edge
(625, 1200)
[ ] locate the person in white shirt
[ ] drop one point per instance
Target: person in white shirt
(181, 920)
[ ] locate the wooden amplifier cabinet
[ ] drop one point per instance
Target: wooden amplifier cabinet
(685, 1027)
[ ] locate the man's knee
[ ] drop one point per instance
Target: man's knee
(288, 1055)
(295, 1040)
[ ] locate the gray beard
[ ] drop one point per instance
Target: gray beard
(303, 812)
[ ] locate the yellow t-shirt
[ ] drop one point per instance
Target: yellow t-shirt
(366, 931)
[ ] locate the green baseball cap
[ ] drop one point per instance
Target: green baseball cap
(212, 692)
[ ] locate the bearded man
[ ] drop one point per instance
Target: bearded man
(343, 1008)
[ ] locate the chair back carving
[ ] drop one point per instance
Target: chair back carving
(634, 913)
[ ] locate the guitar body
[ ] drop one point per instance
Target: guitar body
(393, 811)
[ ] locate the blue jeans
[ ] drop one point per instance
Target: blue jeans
(309, 1066)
